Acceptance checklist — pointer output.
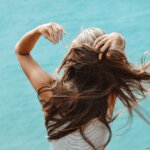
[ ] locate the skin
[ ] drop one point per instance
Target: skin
(54, 33)
(36, 75)
(112, 40)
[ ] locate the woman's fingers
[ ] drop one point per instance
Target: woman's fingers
(99, 39)
(105, 46)
(108, 41)
(60, 35)
(57, 31)
(101, 43)
(50, 31)
(61, 32)
(47, 35)
(60, 29)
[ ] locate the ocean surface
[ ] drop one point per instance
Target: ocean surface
(21, 118)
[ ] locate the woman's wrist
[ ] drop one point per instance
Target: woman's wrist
(36, 31)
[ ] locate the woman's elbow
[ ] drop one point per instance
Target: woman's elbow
(18, 51)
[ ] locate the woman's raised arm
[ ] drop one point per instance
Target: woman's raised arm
(36, 75)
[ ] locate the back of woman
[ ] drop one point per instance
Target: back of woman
(79, 106)
(95, 131)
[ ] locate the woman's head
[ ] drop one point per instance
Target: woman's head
(87, 37)
(82, 61)
(86, 84)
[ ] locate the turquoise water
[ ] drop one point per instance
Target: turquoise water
(21, 118)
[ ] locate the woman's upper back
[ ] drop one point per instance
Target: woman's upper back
(94, 130)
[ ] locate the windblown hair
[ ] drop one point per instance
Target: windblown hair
(82, 92)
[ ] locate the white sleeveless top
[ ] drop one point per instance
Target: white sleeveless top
(95, 131)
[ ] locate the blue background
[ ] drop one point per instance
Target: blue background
(21, 119)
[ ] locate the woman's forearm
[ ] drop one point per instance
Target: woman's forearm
(27, 42)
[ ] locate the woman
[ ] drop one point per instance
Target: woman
(78, 107)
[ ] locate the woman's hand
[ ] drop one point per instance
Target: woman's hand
(110, 41)
(51, 31)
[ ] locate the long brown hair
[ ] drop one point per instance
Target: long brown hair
(83, 91)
